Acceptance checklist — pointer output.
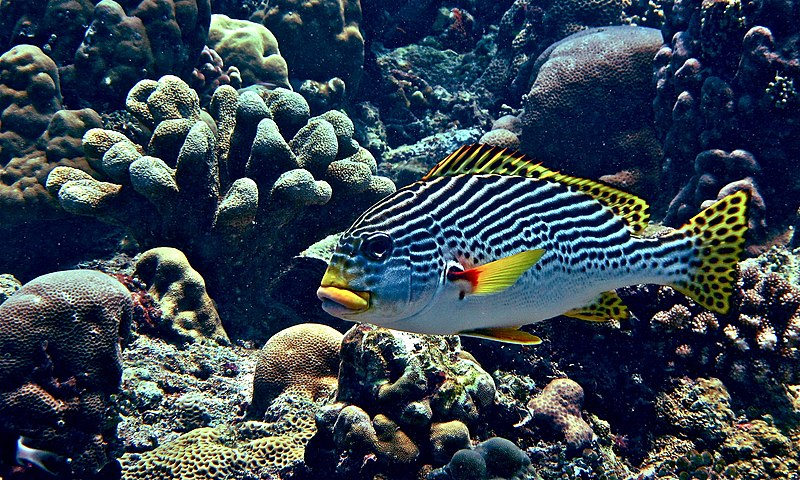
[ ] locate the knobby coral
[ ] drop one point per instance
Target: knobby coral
(248, 183)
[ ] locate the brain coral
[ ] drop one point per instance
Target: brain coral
(303, 359)
(328, 28)
(60, 334)
(598, 82)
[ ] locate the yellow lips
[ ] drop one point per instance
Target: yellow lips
(355, 301)
(334, 289)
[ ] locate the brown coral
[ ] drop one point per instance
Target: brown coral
(303, 359)
(599, 82)
(180, 293)
(559, 406)
(60, 334)
(35, 134)
(329, 29)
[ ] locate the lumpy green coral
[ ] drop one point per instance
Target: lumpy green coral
(228, 187)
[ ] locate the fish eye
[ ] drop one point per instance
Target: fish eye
(377, 246)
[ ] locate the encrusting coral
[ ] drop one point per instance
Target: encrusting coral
(225, 186)
(180, 293)
(60, 334)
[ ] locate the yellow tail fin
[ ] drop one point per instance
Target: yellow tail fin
(718, 233)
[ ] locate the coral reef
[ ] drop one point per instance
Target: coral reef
(559, 407)
(60, 334)
(36, 135)
(493, 458)
(597, 81)
(526, 30)
(187, 312)
(251, 48)
(402, 399)
(302, 360)
(103, 48)
(329, 28)
(282, 414)
(724, 81)
(238, 194)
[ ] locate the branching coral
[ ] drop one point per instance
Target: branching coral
(722, 79)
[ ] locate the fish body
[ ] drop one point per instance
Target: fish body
(489, 241)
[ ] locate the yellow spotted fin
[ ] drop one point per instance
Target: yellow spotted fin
(718, 234)
(507, 335)
(498, 275)
(489, 159)
(608, 306)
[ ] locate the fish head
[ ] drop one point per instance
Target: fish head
(372, 277)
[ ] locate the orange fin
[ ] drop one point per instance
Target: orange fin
(496, 276)
(504, 334)
(608, 306)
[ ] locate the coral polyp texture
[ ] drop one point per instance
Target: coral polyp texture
(558, 406)
(296, 371)
(303, 359)
(36, 134)
(103, 48)
(60, 336)
(225, 186)
(401, 400)
(598, 81)
(249, 47)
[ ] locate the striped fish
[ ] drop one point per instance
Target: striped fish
(488, 241)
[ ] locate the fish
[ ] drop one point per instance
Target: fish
(490, 240)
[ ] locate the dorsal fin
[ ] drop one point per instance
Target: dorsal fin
(489, 159)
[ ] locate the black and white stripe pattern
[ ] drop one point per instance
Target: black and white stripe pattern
(476, 219)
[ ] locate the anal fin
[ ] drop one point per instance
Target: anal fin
(504, 334)
(608, 306)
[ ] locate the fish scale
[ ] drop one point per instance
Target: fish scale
(471, 251)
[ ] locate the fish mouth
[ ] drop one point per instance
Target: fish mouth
(339, 301)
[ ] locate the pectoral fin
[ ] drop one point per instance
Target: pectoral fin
(507, 335)
(496, 276)
(608, 306)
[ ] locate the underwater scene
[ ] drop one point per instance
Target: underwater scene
(399, 240)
